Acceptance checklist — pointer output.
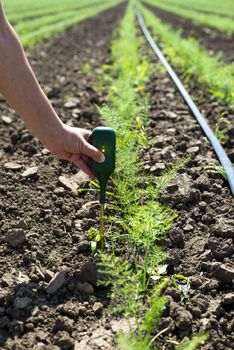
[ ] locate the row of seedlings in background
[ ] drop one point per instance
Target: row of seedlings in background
(215, 21)
(46, 26)
(194, 60)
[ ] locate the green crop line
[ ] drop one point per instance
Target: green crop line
(223, 8)
(50, 9)
(20, 6)
(193, 60)
(140, 224)
(220, 23)
(51, 27)
(31, 26)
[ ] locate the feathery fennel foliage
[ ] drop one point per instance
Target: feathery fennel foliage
(143, 223)
(142, 219)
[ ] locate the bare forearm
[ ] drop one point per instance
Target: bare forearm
(21, 89)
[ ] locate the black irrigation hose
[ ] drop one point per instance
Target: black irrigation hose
(220, 152)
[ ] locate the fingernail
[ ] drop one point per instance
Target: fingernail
(102, 158)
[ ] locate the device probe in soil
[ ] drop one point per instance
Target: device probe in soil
(220, 152)
(104, 139)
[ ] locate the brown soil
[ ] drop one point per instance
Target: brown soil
(51, 216)
(216, 42)
(51, 223)
(200, 244)
(213, 110)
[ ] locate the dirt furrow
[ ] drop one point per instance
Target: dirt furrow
(214, 41)
(200, 244)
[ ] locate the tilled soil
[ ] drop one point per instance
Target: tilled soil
(214, 41)
(45, 221)
(48, 223)
(214, 112)
(200, 244)
(210, 108)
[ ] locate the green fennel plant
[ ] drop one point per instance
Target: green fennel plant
(142, 221)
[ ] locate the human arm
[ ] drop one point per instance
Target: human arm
(22, 91)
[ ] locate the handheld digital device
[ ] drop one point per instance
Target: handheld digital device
(104, 139)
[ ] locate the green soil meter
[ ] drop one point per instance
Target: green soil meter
(104, 139)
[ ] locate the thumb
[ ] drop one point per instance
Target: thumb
(93, 152)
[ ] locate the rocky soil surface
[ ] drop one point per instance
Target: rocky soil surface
(210, 108)
(48, 294)
(48, 298)
(200, 244)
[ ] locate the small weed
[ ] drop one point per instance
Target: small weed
(94, 236)
(140, 131)
(162, 181)
(221, 128)
(86, 68)
(183, 284)
(49, 261)
(193, 344)
(95, 188)
(68, 98)
(217, 169)
(106, 68)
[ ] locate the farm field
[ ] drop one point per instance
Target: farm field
(36, 22)
(165, 278)
(221, 23)
(224, 8)
(215, 42)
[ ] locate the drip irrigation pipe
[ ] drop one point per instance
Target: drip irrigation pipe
(220, 152)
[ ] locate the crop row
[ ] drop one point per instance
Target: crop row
(23, 6)
(224, 24)
(135, 227)
(53, 8)
(193, 60)
(32, 32)
(26, 27)
(223, 8)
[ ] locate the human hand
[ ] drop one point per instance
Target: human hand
(73, 145)
(22, 91)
